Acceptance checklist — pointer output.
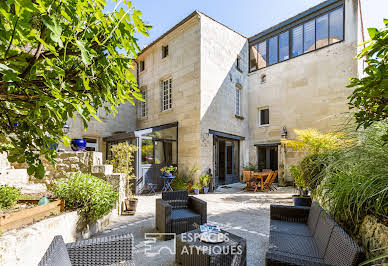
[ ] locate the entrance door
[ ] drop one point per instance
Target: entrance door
(226, 161)
(268, 158)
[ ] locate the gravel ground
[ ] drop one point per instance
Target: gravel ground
(245, 214)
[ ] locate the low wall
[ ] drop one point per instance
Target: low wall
(373, 236)
(26, 246)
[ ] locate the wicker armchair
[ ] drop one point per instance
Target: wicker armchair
(177, 212)
(108, 250)
(308, 236)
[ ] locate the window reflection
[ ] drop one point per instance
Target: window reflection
(284, 49)
(273, 50)
(147, 151)
(309, 36)
(262, 54)
(336, 26)
(253, 58)
(297, 41)
(322, 31)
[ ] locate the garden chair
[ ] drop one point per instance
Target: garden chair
(270, 179)
(151, 186)
(249, 180)
(107, 250)
(177, 212)
(267, 170)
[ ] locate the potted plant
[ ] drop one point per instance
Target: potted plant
(205, 180)
(303, 199)
(196, 187)
(78, 144)
(168, 171)
(122, 161)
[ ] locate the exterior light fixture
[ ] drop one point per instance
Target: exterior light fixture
(284, 132)
(66, 128)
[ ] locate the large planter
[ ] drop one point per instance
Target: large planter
(78, 144)
(130, 205)
(205, 190)
(27, 216)
(301, 200)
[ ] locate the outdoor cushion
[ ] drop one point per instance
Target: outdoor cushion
(299, 245)
(56, 254)
(323, 231)
(290, 228)
(342, 250)
(312, 220)
(273, 257)
(177, 214)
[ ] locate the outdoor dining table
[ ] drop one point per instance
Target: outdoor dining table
(167, 180)
(260, 175)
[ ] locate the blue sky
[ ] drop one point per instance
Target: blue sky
(247, 17)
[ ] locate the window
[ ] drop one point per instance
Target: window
(142, 112)
(322, 31)
(164, 51)
(166, 94)
(91, 144)
(238, 63)
(309, 36)
(263, 116)
(284, 49)
(336, 25)
(273, 50)
(238, 102)
(141, 66)
(253, 58)
(297, 41)
(262, 54)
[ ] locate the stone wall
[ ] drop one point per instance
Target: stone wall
(27, 246)
(374, 237)
(308, 91)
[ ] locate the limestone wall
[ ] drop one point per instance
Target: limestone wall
(308, 91)
(182, 65)
(374, 237)
(220, 47)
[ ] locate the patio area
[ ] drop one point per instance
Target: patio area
(245, 214)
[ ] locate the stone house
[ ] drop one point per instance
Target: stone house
(218, 101)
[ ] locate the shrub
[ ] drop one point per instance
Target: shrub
(122, 161)
(356, 182)
(183, 177)
(93, 196)
(9, 196)
(196, 186)
(311, 168)
(204, 180)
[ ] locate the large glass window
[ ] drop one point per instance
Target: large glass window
(263, 116)
(322, 23)
(166, 94)
(253, 58)
(147, 151)
(336, 25)
(237, 102)
(142, 107)
(284, 49)
(262, 54)
(309, 36)
(273, 50)
(297, 41)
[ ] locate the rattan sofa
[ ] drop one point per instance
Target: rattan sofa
(108, 250)
(177, 212)
(308, 236)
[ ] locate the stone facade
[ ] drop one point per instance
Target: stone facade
(374, 237)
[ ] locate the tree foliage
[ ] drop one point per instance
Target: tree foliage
(370, 96)
(58, 58)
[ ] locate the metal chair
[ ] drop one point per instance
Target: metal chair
(150, 185)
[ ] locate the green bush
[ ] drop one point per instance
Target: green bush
(356, 182)
(311, 168)
(93, 196)
(183, 177)
(9, 196)
(204, 180)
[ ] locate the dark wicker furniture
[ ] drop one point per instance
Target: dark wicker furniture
(308, 236)
(177, 212)
(108, 250)
(190, 251)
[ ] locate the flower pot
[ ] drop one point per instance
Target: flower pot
(301, 200)
(205, 190)
(196, 191)
(131, 204)
(78, 144)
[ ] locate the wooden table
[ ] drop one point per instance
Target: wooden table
(260, 175)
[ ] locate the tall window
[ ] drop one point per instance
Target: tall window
(164, 51)
(273, 50)
(263, 116)
(326, 28)
(238, 102)
(142, 112)
(284, 49)
(166, 86)
(238, 63)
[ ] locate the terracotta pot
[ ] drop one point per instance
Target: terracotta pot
(189, 185)
(130, 204)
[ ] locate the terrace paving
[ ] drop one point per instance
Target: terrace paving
(245, 214)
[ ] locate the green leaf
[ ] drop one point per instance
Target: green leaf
(372, 32)
(56, 31)
(86, 58)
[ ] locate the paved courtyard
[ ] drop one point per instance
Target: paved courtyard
(245, 214)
